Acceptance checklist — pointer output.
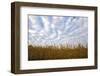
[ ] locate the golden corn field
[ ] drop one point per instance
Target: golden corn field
(51, 52)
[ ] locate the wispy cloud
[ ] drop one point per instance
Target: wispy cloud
(49, 30)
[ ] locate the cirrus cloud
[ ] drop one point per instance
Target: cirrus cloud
(57, 30)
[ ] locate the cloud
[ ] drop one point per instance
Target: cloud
(58, 30)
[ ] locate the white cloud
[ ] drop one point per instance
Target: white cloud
(74, 30)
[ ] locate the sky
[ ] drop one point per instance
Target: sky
(57, 30)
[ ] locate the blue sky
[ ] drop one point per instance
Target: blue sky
(57, 30)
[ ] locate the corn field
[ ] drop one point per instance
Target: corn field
(52, 52)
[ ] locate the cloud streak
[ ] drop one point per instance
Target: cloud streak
(57, 30)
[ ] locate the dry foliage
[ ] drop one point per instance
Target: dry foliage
(51, 52)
